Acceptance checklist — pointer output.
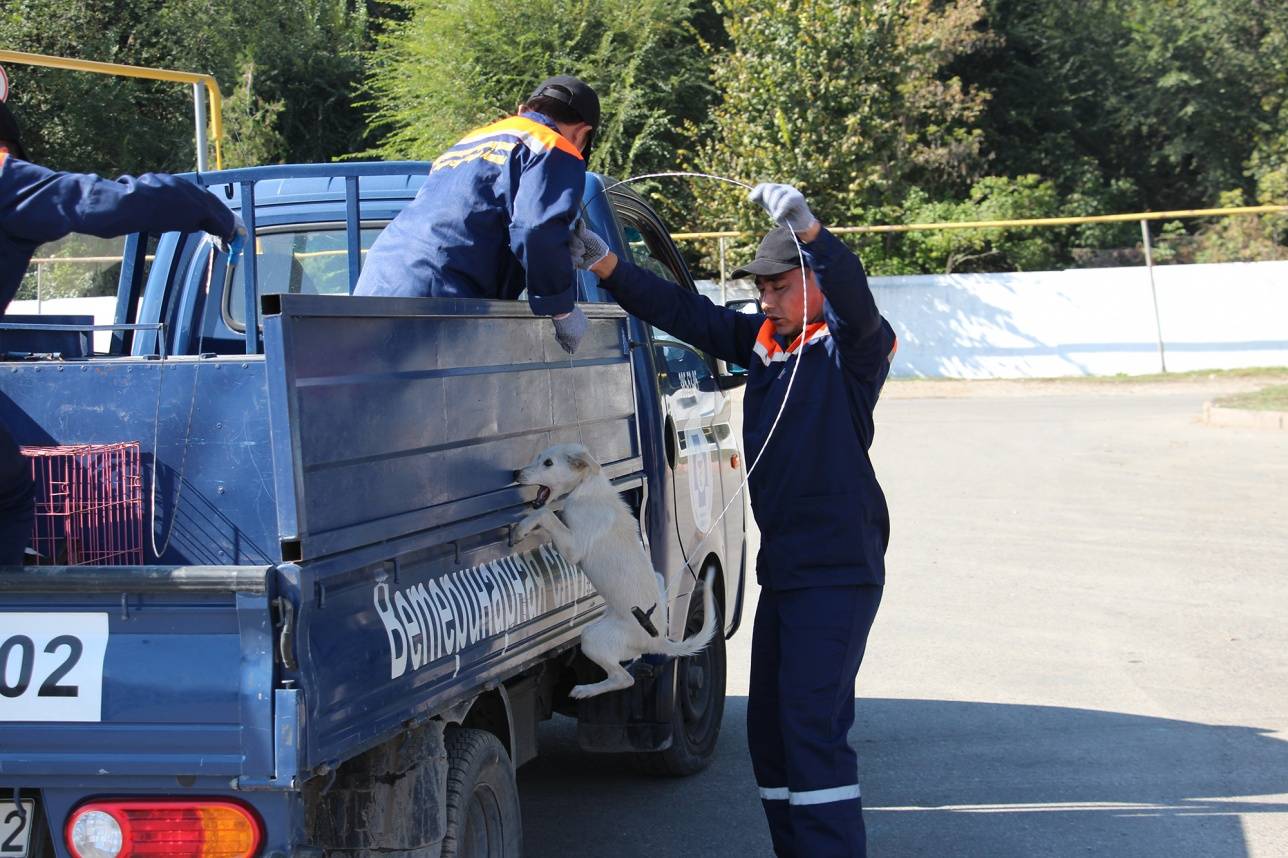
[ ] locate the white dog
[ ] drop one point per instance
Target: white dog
(599, 533)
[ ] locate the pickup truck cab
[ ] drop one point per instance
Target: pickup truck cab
(329, 641)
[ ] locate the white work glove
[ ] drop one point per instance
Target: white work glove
(785, 205)
(570, 328)
(586, 247)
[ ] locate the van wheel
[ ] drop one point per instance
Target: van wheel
(483, 818)
(699, 704)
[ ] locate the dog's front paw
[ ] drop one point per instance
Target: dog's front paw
(581, 692)
(525, 527)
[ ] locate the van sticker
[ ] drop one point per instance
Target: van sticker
(438, 618)
(702, 488)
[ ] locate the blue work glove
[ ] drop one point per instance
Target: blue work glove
(570, 328)
(586, 247)
(785, 205)
(234, 247)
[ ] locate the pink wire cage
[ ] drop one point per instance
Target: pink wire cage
(89, 504)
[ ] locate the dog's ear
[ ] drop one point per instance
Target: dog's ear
(582, 461)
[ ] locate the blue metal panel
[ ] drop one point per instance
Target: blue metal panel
(402, 415)
(249, 264)
(129, 288)
(398, 641)
(400, 423)
(352, 231)
(180, 695)
(226, 504)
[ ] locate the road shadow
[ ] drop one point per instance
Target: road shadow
(939, 778)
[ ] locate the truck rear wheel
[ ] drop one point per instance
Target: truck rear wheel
(699, 704)
(483, 819)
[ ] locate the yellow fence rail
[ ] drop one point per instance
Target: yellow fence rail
(1178, 214)
(196, 79)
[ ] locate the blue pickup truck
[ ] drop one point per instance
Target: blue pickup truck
(333, 643)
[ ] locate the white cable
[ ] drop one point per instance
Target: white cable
(800, 255)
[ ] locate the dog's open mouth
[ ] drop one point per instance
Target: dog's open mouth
(543, 495)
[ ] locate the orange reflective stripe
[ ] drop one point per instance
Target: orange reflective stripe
(769, 349)
(4, 153)
(535, 135)
(894, 348)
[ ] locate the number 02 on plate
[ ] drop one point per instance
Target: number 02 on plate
(51, 666)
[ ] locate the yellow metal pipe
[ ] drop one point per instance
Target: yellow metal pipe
(1032, 222)
(170, 75)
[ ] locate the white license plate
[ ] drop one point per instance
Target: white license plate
(51, 667)
(15, 828)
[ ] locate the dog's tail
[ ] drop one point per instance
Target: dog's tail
(698, 642)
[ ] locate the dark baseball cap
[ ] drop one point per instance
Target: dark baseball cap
(10, 132)
(573, 92)
(777, 253)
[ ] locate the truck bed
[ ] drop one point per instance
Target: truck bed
(364, 466)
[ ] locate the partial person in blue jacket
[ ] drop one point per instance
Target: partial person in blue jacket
(822, 515)
(495, 214)
(39, 205)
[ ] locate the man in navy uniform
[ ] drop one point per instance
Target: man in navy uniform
(495, 214)
(822, 516)
(39, 205)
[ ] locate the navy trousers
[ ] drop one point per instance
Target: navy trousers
(805, 654)
(16, 499)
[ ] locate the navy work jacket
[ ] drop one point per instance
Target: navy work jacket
(493, 217)
(39, 205)
(822, 515)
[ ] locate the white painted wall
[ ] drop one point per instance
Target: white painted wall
(1088, 321)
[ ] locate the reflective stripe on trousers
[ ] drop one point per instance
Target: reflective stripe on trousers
(814, 796)
(806, 649)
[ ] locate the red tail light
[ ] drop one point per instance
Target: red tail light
(163, 829)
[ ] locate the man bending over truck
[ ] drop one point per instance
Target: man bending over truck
(822, 516)
(495, 213)
(39, 205)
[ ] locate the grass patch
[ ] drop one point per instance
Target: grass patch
(1274, 398)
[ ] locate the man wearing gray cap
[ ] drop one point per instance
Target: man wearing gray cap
(495, 214)
(822, 516)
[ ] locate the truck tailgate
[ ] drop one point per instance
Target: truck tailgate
(126, 671)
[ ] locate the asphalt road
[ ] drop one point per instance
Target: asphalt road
(1081, 650)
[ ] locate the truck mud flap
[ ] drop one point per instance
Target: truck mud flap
(634, 719)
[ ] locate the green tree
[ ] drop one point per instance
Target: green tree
(853, 102)
(645, 58)
(1166, 97)
(304, 55)
(984, 249)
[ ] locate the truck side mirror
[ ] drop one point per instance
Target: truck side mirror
(730, 375)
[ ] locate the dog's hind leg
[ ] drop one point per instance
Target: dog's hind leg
(601, 644)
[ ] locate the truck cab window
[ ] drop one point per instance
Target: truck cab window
(313, 262)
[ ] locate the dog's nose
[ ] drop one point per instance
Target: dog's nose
(518, 474)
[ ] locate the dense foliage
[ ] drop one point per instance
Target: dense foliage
(883, 111)
(288, 71)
